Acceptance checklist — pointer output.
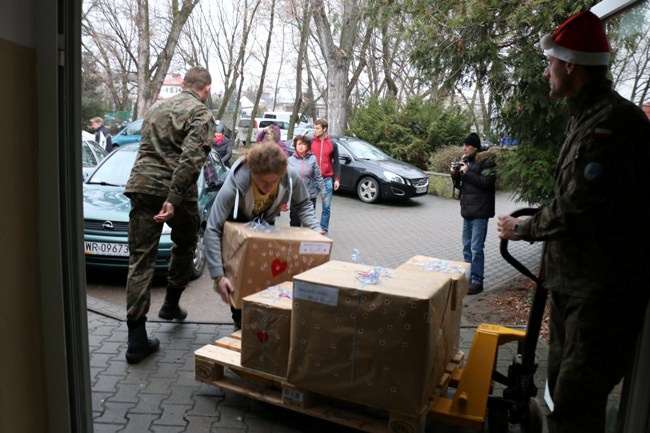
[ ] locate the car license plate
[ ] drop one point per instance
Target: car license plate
(420, 189)
(106, 249)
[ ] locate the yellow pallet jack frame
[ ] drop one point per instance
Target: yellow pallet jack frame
(473, 382)
(472, 401)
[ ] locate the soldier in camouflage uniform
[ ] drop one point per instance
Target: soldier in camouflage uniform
(176, 139)
(593, 269)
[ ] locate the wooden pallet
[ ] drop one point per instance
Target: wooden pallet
(211, 362)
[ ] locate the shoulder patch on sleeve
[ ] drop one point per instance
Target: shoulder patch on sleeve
(594, 172)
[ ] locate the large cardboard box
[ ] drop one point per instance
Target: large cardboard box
(266, 328)
(372, 343)
(257, 259)
(458, 272)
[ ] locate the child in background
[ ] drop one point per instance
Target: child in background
(305, 163)
(222, 145)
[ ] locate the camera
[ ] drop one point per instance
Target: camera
(458, 164)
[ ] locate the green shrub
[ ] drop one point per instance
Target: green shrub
(528, 171)
(410, 133)
(440, 160)
(416, 153)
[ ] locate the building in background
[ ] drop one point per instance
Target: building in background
(171, 86)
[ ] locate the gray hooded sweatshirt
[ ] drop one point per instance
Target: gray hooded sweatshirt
(235, 202)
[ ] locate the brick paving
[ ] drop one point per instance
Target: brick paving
(160, 394)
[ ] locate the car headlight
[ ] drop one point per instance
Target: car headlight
(392, 177)
(166, 229)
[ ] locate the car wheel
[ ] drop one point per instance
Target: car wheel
(368, 190)
(198, 262)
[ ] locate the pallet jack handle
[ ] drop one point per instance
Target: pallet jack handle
(528, 211)
(539, 300)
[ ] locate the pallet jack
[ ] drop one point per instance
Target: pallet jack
(472, 401)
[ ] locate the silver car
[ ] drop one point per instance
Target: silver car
(91, 154)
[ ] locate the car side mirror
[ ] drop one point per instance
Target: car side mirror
(345, 158)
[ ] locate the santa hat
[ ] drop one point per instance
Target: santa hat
(580, 40)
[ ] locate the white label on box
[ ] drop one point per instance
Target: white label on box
(315, 293)
(320, 248)
(292, 394)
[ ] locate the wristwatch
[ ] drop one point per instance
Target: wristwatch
(517, 229)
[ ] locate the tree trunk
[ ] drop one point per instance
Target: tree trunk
(260, 89)
(302, 54)
(150, 79)
(233, 72)
(143, 56)
(337, 84)
(337, 58)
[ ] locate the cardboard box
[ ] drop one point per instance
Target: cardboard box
(257, 259)
(374, 344)
(459, 274)
(266, 327)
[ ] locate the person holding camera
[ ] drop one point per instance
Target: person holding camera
(475, 178)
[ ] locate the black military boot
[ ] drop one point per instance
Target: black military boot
(139, 345)
(170, 309)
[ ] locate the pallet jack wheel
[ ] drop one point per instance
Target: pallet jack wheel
(533, 421)
(497, 418)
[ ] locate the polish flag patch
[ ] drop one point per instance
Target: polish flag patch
(602, 133)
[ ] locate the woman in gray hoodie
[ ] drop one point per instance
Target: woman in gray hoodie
(258, 185)
(305, 163)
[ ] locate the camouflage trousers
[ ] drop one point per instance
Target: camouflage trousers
(144, 236)
(592, 345)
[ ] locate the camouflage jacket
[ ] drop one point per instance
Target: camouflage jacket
(597, 223)
(176, 139)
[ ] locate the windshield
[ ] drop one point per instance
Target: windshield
(363, 150)
(134, 129)
(116, 169)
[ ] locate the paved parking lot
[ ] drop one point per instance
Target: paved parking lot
(385, 235)
(160, 394)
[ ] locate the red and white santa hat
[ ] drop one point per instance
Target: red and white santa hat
(580, 40)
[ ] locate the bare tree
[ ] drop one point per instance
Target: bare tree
(265, 63)
(152, 74)
(316, 68)
(338, 57)
(110, 41)
(631, 69)
(195, 46)
(299, 16)
(234, 68)
(221, 30)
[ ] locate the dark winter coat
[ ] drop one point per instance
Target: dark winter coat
(224, 149)
(477, 187)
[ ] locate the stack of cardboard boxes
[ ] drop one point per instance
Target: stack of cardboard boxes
(378, 337)
(257, 257)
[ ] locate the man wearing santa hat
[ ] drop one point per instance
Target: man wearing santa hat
(595, 229)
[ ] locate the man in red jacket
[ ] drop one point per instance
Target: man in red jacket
(327, 154)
